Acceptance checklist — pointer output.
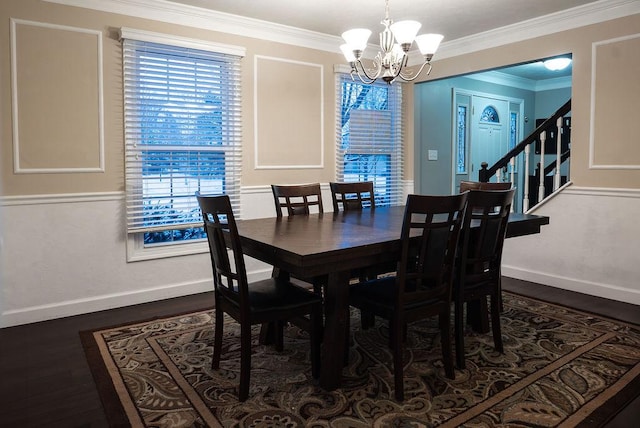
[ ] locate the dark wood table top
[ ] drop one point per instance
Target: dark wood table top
(333, 245)
(304, 245)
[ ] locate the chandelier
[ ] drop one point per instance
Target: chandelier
(395, 41)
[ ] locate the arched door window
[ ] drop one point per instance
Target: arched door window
(490, 115)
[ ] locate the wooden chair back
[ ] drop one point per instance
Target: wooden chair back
(478, 185)
(297, 199)
(483, 234)
(352, 196)
(478, 273)
(229, 274)
(430, 234)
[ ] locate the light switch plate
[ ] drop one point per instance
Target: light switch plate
(433, 155)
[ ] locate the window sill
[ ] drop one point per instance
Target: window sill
(136, 251)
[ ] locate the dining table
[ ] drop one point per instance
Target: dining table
(332, 246)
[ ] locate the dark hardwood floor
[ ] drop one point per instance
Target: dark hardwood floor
(45, 380)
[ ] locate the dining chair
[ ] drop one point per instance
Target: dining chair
(356, 196)
(478, 273)
(422, 286)
(297, 199)
(479, 185)
(352, 196)
(271, 300)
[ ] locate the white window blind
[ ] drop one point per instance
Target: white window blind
(370, 136)
(182, 122)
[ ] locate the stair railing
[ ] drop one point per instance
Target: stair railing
(539, 134)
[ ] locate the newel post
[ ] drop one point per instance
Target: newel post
(483, 174)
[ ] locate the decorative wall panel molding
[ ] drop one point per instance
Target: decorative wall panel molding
(288, 114)
(57, 98)
(614, 147)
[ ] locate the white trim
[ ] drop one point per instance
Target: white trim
(14, 100)
(607, 291)
(555, 83)
(592, 164)
(60, 198)
(166, 11)
(183, 42)
(115, 300)
(207, 19)
(108, 301)
(256, 132)
(580, 16)
(603, 191)
(500, 78)
(137, 252)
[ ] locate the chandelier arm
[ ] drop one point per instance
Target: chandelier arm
(364, 70)
(366, 82)
(409, 79)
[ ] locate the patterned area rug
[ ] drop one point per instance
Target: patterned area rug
(560, 367)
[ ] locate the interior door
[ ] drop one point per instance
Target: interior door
(489, 139)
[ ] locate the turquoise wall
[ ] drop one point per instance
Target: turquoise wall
(433, 123)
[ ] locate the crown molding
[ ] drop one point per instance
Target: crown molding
(510, 80)
(588, 14)
(167, 11)
(206, 19)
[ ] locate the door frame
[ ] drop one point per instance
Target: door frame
(456, 95)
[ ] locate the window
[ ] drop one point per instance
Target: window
(490, 114)
(461, 139)
(369, 141)
(182, 127)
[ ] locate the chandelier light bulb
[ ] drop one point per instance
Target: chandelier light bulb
(405, 31)
(347, 52)
(357, 38)
(428, 43)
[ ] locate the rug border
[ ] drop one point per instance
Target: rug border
(117, 416)
(111, 404)
(584, 311)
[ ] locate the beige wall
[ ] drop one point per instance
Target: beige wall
(49, 136)
(83, 262)
(614, 138)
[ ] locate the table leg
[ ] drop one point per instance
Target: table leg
(268, 330)
(336, 301)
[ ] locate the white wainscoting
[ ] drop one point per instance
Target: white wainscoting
(65, 255)
(591, 244)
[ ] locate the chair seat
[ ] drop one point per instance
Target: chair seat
(379, 295)
(270, 295)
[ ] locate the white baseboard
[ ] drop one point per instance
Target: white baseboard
(606, 291)
(109, 301)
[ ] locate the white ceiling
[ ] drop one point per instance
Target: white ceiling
(452, 18)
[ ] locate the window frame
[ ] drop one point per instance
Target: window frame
(395, 150)
(136, 248)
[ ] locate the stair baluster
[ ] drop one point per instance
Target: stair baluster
(556, 179)
(527, 163)
(540, 172)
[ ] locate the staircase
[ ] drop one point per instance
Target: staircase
(542, 142)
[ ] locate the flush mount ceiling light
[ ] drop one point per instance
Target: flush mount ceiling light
(395, 41)
(555, 64)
